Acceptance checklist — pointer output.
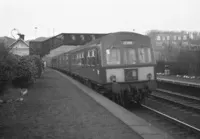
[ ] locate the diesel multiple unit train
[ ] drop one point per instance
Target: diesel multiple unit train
(120, 65)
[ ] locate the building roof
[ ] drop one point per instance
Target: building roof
(18, 40)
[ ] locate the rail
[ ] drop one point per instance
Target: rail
(194, 129)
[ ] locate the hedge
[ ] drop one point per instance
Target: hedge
(24, 72)
(7, 64)
(21, 72)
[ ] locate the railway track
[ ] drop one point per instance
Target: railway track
(174, 118)
(168, 120)
(186, 89)
(182, 122)
(170, 117)
(178, 129)
(184, 101)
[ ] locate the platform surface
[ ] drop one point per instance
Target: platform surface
(137, 124)
(59, 107)
(179, 80)
(54, 108)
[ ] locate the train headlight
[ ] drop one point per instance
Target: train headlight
(149, 76)
(113, 78)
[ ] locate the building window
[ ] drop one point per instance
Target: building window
(174, 37)
(168, 38)
(191, 36)
(158, 38)
(179, 38)
(163, 38)
(184, 37)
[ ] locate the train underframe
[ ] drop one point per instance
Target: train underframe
(125, 94)
(129, 93)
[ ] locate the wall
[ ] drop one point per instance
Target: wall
(20, 49)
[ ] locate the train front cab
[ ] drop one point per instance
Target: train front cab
(129, 69)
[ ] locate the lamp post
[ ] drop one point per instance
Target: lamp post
(35, 32)
(14, 29)
(53, 31)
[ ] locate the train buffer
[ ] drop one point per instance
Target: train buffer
(60, 107)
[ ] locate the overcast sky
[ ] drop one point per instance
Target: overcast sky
(92, 16)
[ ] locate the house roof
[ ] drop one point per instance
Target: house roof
(18, 40)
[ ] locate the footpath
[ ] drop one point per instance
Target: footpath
(54, 108)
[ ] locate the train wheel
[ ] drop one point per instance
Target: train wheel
(129, 97)
(84, 82)
(89, 84)
(96, 88)
(116, 99)
(140, 100)
(126, 99)
(122, 99)
(113, 97)
(93, 86)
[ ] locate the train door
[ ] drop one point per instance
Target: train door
(98, 63)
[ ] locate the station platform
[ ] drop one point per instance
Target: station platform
(59, 107)
(179, 80)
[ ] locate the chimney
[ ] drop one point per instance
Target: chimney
(21, 36)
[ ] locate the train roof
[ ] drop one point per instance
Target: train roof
(128, 32)
(97, 41)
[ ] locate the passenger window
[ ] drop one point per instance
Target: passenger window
(113, 56)
(144, 55)
(97, 56)
(149, 55)
(74, 60)
(93, 58)
(78, 59)
(130, 56)
(141, 55)
(88, 58)
(83, 58)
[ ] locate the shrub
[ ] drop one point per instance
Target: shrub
(21, 71)
(3, 51)
(7, 63)
(38, 63)
(24, 72)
